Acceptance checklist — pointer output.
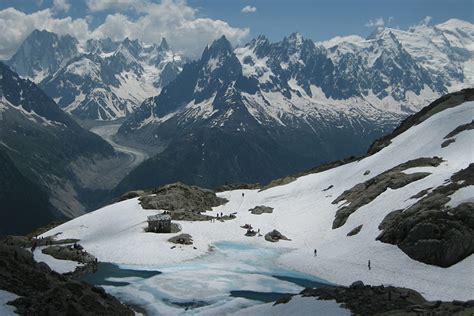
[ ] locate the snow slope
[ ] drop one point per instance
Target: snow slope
(304, 213)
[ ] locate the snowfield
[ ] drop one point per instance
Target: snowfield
(304, 213)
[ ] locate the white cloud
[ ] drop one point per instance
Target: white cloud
(61, 5)
(379, 22)
(249, 9)
(15, 26)
(122, 5)
(175, 20)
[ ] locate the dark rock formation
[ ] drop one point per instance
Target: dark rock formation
(459, 129)
(386, 300)
(69, 253)
(389, 218)
(278, 182)
(328, 188)
(239, 186)
(431, 232)
(183, 239)
(355, 230)
(258, 210)
(45, 292)
(178, 196)
(447, 142)
(275, 236)
(364, 193)
(421, 194)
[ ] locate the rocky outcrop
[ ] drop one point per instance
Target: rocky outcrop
(447, 142)
(432, 232)
(178, 196)
(68, 253)
(355, 231)
(365, 192)
(182, 239)
(258, 210)
(387, 300)
(239, 186)
(279, 182)
(459, 129)
(45, 292)
(275, 236)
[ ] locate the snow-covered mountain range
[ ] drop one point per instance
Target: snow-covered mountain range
(392, 70)
(407, 208)
(98, 80)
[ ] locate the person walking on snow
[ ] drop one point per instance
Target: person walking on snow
(315, 252)
(368, 265)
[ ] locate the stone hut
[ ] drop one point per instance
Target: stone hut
(160, 223)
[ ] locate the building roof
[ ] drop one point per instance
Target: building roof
(159, 217)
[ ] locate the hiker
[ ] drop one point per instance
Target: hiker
(222, 214)
(217, 215)
(368, 265)
(315, 252)
(243, 194)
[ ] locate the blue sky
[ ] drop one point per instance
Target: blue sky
(189, 25)
(324, 19)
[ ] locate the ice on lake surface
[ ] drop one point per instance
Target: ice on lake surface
(232, 277)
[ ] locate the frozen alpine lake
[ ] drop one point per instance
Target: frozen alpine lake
(231, 278)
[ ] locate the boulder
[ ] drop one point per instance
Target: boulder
(354, 231)
(447, 142)
(258, 210)
(183, 239)
(275, 236)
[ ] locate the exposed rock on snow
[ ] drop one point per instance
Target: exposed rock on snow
(278, 182)
(387, 300)
(68, 253)
(431, 232)
(183, 239)
(275, 236)
(461, 128)
(178, 196)
(363, 193)
(355, 231)
(258, 210)
(447, 142)
(238, 186)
